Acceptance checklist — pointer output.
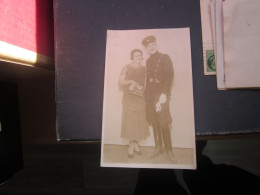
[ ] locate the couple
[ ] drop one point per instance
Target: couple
(146, 99)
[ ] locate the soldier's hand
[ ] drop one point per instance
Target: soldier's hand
(158, 107)
(163, 98)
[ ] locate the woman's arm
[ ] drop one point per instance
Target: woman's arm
(122, 81)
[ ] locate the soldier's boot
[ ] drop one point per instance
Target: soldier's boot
(158, 142)
(168, 144)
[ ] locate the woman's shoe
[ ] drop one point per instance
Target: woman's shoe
(131, 150)
(137, 149)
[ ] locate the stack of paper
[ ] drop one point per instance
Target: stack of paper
(235, 34)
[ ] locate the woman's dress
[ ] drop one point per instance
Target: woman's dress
(134, 124)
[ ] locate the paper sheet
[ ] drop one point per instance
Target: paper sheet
(213, 23)
(242, 43)
(219, 46)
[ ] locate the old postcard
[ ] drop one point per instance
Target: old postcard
(242, 43)
(148, 114)
(207, 38)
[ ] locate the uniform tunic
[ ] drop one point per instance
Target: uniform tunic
(159, 81)
(134, 124)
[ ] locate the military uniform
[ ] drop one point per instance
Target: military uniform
(159, 80)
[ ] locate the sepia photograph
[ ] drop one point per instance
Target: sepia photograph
(148, 111)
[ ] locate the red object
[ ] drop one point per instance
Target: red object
(28, 24)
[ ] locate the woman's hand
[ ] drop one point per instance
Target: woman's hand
(133, 83)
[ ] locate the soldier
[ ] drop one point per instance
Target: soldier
(158, 90)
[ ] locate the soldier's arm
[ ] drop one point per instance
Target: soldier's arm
(167, 82)
(168, 76)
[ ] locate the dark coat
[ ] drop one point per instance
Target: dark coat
(158, 81)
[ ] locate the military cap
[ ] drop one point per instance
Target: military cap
(148, 40)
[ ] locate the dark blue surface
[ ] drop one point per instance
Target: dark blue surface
(80, 42)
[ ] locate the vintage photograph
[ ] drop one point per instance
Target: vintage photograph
(148, 112)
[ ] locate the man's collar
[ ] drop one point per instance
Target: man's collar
(155, 54)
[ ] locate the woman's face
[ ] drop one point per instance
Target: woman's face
(137, 57)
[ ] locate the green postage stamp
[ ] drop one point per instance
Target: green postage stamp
(210, 61)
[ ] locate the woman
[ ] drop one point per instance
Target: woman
(134, 124)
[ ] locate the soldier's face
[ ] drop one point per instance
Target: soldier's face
(137, 57)
(151, 48)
